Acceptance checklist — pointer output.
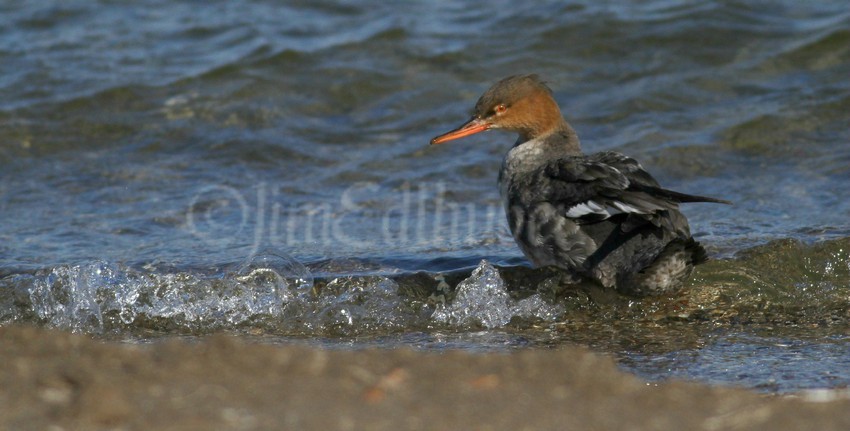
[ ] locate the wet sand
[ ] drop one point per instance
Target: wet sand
(55, 380)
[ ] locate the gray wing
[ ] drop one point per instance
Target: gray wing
(609, 184)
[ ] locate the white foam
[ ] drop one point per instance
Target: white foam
(483, 299)
(101, 295)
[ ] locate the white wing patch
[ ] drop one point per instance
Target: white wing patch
(590, 207)
(593, 207)
(626, 208)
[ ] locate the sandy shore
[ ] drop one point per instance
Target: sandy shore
(54, 380)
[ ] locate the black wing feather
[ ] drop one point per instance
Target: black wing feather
(610, 180)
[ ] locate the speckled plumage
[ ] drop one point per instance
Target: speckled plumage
(599, 216)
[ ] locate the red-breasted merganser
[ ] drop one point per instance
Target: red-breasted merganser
(601, 216)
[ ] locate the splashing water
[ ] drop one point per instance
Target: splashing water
(272, 291)
(483, 299)
(100, 296)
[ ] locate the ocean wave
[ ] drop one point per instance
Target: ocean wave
(784, 282)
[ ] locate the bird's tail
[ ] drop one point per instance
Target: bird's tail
(678, 197)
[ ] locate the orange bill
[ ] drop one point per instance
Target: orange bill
(471, 127)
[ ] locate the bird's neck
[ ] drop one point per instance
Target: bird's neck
(559, 139)
(528, 155)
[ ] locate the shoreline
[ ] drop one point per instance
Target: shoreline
(56, 380)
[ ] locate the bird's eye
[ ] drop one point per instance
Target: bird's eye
(500, 109)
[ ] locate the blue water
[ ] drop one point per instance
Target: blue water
(154, 155)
